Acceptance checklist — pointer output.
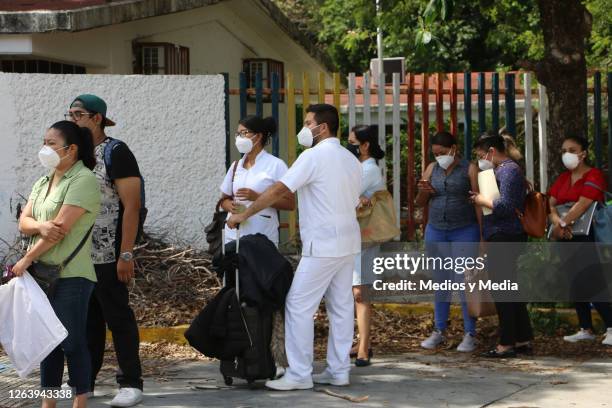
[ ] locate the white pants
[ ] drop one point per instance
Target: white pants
(314, 278)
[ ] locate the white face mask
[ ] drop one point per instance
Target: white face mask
(570, 160)
(485, 164)
(445, 160)
(49, 157)
(305, 137)
(244, 144)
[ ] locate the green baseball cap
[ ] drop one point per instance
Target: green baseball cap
(92, 103)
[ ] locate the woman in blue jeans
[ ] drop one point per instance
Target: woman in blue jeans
(59, 215)
(453, 228)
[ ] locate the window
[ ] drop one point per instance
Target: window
(266, 67)
(160, 59)
(36, 66)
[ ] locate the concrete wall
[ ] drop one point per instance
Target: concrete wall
(174, 125)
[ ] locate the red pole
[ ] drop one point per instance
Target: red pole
(425, 123)
(439, 102)
(453, 104)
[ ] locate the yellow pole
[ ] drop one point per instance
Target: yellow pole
(321, 87)
(305, 93)
(336, 77)
(291, 135)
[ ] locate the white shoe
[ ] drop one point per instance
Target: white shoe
(580, 336)
(468, 344)
(284, 384)
(127, 397)
(326, 378)
(607, 341)
(433, 341)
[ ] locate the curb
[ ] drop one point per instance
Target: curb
(175, 334)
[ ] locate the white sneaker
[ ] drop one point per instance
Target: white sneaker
(284, 384)
(468, 344)
(127, 397)
(580, 336)
(326, 378)
(607, 341)
(433, 341)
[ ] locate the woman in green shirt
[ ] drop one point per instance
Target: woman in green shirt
(60, 212)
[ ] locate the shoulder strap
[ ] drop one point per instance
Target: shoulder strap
(78, 248)
(234, 172)
(108, 153)
(232, 188)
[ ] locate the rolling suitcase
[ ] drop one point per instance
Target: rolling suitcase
(256, 362)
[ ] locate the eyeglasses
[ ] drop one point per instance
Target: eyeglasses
(77, 115)
(244, 133)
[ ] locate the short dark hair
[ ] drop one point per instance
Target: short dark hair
(443, 138)
(325, 113)
(266, 126)
(582, 141)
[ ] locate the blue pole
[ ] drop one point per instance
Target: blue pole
(609, 131)
(258, 95)
(495, 102)
(243, 95)
(482, 114)
(227, 120)
(597, 118)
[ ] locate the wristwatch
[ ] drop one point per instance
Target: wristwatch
(126, 256)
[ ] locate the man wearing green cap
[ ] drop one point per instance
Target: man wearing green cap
(114, 236)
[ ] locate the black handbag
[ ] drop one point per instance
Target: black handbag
(214, 228)
(46, 275)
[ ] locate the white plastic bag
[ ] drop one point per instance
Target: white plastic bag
(29, 328)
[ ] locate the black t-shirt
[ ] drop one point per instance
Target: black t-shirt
(107, 233)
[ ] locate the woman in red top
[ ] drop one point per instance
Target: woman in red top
(573, 186)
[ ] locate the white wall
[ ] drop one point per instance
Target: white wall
(174, 125)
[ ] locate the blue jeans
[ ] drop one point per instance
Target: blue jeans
(459, 242)
(70, 301)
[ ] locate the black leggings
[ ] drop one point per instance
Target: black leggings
(514, 323)
(587, 281)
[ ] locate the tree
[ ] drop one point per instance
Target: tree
(566, 25)
(566, 28)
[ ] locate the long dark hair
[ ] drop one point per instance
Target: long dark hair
(369, 133)
(80, 136)
(266, 126)
(502, 143)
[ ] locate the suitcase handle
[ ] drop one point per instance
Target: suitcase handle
(237, 252)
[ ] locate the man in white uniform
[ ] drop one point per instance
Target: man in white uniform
(327, 179)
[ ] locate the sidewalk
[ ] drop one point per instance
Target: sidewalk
(408, 380)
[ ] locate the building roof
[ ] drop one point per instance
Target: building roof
(44, 16)
(47, 5)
